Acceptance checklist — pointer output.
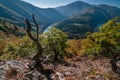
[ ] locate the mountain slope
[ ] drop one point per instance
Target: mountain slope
(80, 7)
(74, 8)
(77, 26)
(17, 10)
(111, 10)
(87, 19)
(9, 30)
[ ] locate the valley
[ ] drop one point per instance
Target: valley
(73, 41)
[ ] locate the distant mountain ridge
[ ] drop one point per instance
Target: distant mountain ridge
(76, 18)
(74, 8)
(80, 7)
(17, 10)
(87, 18)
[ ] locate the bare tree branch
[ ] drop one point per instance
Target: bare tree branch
(36, 40)
(36, 26)
(29, 28)
(37, 63)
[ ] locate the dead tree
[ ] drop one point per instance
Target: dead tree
(39, 47)
(114, 61)
(37, 59)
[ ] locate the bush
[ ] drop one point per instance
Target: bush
(104, 43)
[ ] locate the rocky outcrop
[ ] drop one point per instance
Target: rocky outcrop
(70, 70)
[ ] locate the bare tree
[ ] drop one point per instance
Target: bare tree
(114, 61)
(37, 58)
(39, 47)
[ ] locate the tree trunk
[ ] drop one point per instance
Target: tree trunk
(114, 61)
(37, 59)
(37, 56)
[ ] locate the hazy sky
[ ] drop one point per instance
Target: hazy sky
(55, 3)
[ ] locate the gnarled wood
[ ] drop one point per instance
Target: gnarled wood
(37, 59)
(39, 47)
(114, 61)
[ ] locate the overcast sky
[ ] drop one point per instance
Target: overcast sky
(55, 3)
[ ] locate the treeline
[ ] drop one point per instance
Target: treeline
(104, 43)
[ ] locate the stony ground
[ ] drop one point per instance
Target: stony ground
(69, 69)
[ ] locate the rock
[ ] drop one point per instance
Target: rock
(61, 71)
(7, 66)
(88, 70)
(2, 62)
(60, 76)
(118, 63)
(67, 74)
(90, 78)
(98, 77)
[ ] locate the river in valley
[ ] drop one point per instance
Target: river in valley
(50, 26)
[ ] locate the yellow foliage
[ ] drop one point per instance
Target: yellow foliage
(74, 47)
(2, 46)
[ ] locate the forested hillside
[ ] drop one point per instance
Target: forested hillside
(85, 17)
(58, 51)
(74, 8)
(16, 11)
(85, 46)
